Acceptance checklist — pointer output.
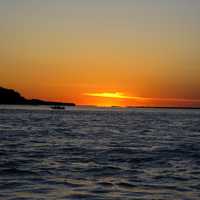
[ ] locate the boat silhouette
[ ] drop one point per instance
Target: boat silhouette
(58, 107)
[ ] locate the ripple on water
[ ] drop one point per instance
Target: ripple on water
(99, 154)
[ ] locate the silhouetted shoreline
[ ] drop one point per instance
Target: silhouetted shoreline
(12, 97)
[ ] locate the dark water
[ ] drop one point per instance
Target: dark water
(99, 154)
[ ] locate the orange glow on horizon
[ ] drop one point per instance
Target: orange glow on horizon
(117, 95)
(107, 99)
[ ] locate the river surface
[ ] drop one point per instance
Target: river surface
(94, 154)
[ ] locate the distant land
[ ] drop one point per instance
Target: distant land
(12, 97)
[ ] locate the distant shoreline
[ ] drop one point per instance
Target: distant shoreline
(101, 107)
(12, 97)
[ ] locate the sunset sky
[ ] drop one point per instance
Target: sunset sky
(102, 52)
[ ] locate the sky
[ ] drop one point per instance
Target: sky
(107, 53)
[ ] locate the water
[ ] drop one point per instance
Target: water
(96, 154)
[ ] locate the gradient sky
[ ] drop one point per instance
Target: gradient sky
(146, 52)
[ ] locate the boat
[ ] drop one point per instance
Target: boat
(58, 107)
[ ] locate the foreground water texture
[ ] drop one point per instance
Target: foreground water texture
(96, 154)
